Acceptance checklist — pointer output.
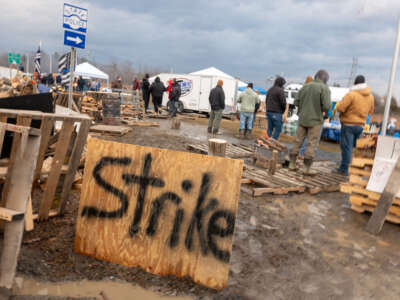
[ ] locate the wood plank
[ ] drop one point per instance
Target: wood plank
(366, 142)
(36, 115)
(162, 238)
(2, 132)
(357, 171)
(110, 129)
(10, 215)
(29, 226)
(74, 163)
(358, 180)
(16, 145)
(351, 189)
(360, 209)
(46, 128)
(385, 202)
(19, 192)
(59, 157)
(361, 162)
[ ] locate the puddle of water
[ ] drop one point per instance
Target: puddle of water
(102, 290)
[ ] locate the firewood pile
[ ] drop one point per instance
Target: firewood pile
(92, 106)
(132, 112)
(17, 86)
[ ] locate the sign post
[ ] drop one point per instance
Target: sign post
(75, 26)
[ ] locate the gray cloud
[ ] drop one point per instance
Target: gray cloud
(248, 39)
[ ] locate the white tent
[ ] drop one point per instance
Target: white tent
(87, 70)
(212, 71)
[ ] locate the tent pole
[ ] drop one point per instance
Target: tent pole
(392, 75)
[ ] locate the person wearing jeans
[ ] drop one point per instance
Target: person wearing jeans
(248, 100)
(348, 138)
(276, 108)
(354, 109)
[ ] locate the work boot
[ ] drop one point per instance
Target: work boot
(209, 129)
(307, 167)
(241, 134)
(248, 134)
(292, 162)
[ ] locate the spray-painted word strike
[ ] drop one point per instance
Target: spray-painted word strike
(206, 234)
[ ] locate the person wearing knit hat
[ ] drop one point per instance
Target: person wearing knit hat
(217, 104)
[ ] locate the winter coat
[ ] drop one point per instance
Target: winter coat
(275, 100)
(157, 88)
(313, 100)
(248, 100)
(217, 98)
(145, 84)
(356, 105)
(175, 92)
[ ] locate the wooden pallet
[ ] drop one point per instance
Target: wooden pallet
(257, 182)
(232, 150)
(361, 199)
(18, 184)
(110, 129)
(68, 150)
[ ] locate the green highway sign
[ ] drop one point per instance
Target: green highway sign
(14, 58)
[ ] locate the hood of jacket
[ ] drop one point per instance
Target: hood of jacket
(362, 88)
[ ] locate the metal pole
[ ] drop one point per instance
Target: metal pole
(392, 75)
(27, 63)
(71, 80)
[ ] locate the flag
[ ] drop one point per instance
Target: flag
(37, 62)
(63, 68)
(64, 63)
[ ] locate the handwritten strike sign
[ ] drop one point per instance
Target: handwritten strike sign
(168, 212)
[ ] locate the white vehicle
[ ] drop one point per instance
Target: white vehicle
(291, 90)
(196, 89)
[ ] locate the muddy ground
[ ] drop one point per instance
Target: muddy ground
(298, 246)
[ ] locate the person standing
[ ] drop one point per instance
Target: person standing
(277, 108)
(313, 100)
(136, 84)
(146, 92)
(174, 94)
(303, 147)
(248, 100)
(217, 103)
(354, 109)
(157, 89)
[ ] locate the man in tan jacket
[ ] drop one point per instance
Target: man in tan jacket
(354, 109)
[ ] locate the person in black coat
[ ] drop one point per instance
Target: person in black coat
(217, 103)
(174, 95)
(146, 91)
(276, 108)
(157, 89)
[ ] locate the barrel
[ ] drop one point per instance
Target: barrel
(111, 109)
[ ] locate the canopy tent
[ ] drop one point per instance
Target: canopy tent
(261, 91)
(87, 70)
(212, 71)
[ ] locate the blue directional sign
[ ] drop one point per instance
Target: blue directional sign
(75, 18)
(74, 39)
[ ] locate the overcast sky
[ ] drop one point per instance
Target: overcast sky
(252, 40)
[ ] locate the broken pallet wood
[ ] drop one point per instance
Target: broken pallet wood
(232, 151)
(110, 129)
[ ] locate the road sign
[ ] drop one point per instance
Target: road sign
(75, 18)
(74, 39)
(14, 58)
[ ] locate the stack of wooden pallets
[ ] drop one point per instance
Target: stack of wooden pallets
(361, 199)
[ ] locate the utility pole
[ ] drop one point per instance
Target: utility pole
(71, 77)
(353, 72)
(392, 75)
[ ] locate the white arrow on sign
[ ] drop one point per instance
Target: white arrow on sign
(76, 39)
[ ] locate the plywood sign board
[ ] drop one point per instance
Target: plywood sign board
(166, 211)
(387, 152)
